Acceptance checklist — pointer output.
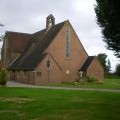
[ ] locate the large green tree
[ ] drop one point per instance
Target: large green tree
(108, 18)
(102, 57)
(117, 71)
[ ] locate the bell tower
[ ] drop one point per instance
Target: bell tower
(50, 21)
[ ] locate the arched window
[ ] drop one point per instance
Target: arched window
(67, 43)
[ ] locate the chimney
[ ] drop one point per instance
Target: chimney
(50, 21)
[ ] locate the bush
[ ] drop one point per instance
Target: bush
(3, 77)
(117, 71)
(90, 79)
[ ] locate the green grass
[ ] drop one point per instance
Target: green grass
(108, 83)
(45, 104)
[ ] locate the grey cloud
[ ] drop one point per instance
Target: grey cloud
(22, 12)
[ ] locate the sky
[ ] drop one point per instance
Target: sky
(29, 16)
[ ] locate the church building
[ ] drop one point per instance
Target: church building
(52, 55)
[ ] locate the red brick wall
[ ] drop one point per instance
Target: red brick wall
(52, 75)
(56, 54)
(27, 77)
(95, 70)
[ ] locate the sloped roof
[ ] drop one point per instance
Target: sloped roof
(17, 41)
(34, 51)
(87, 63)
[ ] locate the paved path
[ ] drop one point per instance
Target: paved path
(16, 84)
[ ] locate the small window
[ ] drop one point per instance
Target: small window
(48, 64)
(38, 73)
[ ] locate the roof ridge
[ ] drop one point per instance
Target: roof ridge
(17, 32)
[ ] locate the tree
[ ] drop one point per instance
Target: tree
(3, 77)
(2, 38)
(102, 57)
(108, 66)
(117, 71)
(108, 18)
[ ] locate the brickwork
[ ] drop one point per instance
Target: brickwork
(62, 68)
(95, 70)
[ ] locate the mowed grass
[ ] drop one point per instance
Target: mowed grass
(108, 83)
(46, 104)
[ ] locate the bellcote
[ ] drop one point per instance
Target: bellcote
(50, 21)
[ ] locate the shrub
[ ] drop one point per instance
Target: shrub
(117, 71)
(77, 80)
(90, 79)
(3, 77)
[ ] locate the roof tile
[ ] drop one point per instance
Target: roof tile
(17, 41)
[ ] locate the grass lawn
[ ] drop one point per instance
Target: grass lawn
(44, 104)
(109, 83)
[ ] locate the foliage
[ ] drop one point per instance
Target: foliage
(90, 79)
(2, 38)
(3, 77)
(108, 18)
(102, 57)
(117, 72)
(85, 79)
(108, 66)
(111, 82)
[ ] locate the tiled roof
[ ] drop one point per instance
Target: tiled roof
(17, 41)
(34, 51)
(87, 63)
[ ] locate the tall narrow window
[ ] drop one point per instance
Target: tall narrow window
(67, 43)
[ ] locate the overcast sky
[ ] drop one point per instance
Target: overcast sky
(29, 16)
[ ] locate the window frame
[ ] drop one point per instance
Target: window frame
(67, 43)
(38, 73)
